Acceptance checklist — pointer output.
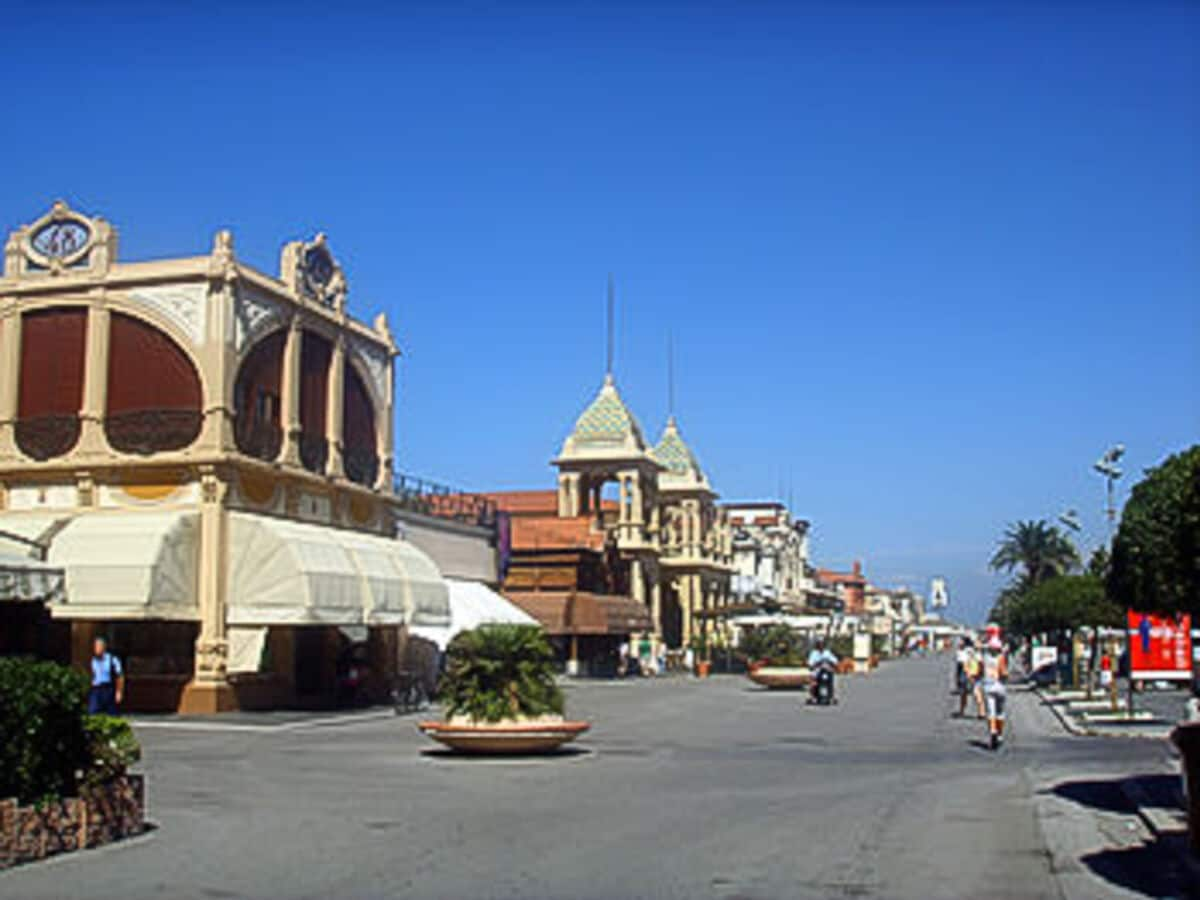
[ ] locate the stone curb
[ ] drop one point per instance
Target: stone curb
(1069, 723)
(1169, 829)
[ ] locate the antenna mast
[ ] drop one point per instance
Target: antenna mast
(670, 376)
(608, 363)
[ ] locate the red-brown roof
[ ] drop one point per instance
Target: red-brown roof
(828, 576)
(525, 502)
(548, 532)
(536, 503)
(581, 612)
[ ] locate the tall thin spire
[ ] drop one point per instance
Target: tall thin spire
(670, 377)
(608, 362)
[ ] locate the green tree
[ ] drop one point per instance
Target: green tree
(1156, 554)
(1099, 562)
(1064, 602)
(1038, 549)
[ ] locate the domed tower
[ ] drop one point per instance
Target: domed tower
(607, 446)
(693, 542)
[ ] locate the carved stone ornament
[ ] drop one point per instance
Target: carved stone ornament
(254, 314)
(184, 305)
(62, 240)
(212, 659)
(312, 272)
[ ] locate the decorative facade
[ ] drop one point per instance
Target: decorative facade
(661, 540)
(204, 447)
(770, 556)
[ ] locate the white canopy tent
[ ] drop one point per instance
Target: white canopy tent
(472, 604)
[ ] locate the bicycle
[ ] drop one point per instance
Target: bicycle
(408, 693)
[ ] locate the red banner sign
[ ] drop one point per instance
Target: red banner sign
(1160, 647)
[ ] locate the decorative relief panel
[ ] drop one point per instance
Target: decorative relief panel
(254, 315)
(314, 507)
(53, 496)
(184, 305)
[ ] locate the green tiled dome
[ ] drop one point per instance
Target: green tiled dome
(673, 453)
(607, 419)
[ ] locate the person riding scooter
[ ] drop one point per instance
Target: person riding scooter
(822, 664)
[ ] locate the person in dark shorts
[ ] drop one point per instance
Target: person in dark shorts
(108, 680)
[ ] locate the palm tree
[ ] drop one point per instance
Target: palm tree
(1040, 550)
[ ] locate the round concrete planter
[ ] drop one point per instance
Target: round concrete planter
(780, 678)
(1187, 738)
(509, 736)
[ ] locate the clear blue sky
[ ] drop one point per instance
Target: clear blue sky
(921, 263)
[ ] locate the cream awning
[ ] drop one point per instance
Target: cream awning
(118, 565)
(283, 572)
(125, 564)
(472, 604)
(25, 578)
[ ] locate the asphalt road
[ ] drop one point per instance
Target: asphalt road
(685, 789)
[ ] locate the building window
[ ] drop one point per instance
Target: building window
(360, 453)
(154, 393)
(53, 348)
(315, 355)
(256, 400)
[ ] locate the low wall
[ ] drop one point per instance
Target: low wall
(99, 815)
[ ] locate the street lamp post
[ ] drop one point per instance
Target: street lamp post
(1107, 466)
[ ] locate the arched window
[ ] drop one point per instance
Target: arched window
(359, 452)
(154, 393)
(53, 346)
(315, 355)
(256, 399)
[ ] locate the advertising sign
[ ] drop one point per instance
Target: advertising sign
(1160, 647)
(1044, 656)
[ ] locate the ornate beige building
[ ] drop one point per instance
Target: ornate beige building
(668, 528)
(207, 450)
(695, 541)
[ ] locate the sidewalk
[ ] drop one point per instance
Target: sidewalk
(1095, 718)
(1156, 798)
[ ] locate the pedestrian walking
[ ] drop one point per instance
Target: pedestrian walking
(108, 680)
(995, 674)
(967, 675)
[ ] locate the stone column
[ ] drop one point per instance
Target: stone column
(685, 607)
(656, 606)
(334, 409)
(387, 433)
(95, 384)
(10, 386)
(636, 581)
(290, 390)
(568, 495)
(209, 690)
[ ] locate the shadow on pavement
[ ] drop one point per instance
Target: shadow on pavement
(1153, 868)
(452, 756)
(1109, 796)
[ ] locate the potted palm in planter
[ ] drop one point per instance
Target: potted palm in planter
(499, 694)
(775, 658)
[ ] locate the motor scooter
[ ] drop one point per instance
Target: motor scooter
(822, 689)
